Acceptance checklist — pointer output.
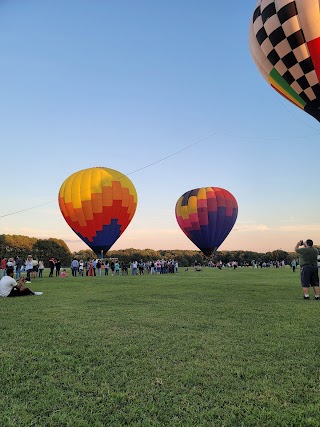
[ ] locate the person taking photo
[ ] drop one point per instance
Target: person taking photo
(308, 267)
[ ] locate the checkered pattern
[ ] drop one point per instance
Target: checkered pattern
(286, 48)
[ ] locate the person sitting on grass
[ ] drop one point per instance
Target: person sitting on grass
(64, 273)
(10, 288)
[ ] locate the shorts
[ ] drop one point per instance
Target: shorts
(309, 276)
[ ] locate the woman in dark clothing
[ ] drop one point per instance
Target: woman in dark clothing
(58, 267)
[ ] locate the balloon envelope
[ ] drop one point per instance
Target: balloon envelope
(206, 216)
(284, 42)
(98, 204)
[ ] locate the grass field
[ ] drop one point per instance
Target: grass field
(209, 348)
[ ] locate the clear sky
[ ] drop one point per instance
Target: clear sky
(124, 84)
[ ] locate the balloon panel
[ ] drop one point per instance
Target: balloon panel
(284, 42)
(98, 204)
(206, 216)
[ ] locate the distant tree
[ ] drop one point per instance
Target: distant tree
(183, 262)
(280, 255)
(84, 254)
(12, 245)
(264, 257)
(56, 248)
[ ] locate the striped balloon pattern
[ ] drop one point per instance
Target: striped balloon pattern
(284, 42)
(98, 204)
(206, 216)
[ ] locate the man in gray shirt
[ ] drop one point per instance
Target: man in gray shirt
(308, 267)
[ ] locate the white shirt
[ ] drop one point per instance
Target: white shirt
(29, 264)
(7, 283)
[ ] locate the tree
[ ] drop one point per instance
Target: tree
(84, 254)
(52, 248)
(280, 255)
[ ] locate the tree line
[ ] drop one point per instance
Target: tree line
(22, 246)
(13, 245)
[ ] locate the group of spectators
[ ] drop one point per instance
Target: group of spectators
(97, 267)
(253, 263)
(31, 266)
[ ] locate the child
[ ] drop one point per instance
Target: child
(63, 273)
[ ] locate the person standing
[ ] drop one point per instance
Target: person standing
(293, 265)
(91, 268)
(98, 266)
(94, 266)
(81, 267)
(309, 267)
(117, 268)
(112, 267)
(74, 267)
(106, 269)
(134, 267)
(58, 267)
(41, 268)
(3, 266)
(176, 266)
(141, 267)
(19, 262)
(35, 268)
(87, 267)
(29, 268)
(152, 267)
(51, 266)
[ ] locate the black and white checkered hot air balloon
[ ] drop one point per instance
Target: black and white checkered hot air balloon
(284, 42)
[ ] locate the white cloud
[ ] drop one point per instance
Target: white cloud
(300, 227)
(252, 227)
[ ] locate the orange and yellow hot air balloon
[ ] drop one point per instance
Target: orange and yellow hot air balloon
(98, 204)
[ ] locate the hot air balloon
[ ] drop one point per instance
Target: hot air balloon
(206, 216)
(98, 204)
(284, 42)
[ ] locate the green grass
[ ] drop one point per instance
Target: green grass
(210, 348)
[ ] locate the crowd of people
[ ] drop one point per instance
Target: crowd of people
(97, 267)
(91, 267)
(32, 267)
(245, 264)
(12, 282)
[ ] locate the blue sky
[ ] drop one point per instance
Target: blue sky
(123, 84)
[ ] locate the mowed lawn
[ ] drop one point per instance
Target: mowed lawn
(209, 348)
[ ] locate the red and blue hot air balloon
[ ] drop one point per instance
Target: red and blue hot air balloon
(207, 215)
